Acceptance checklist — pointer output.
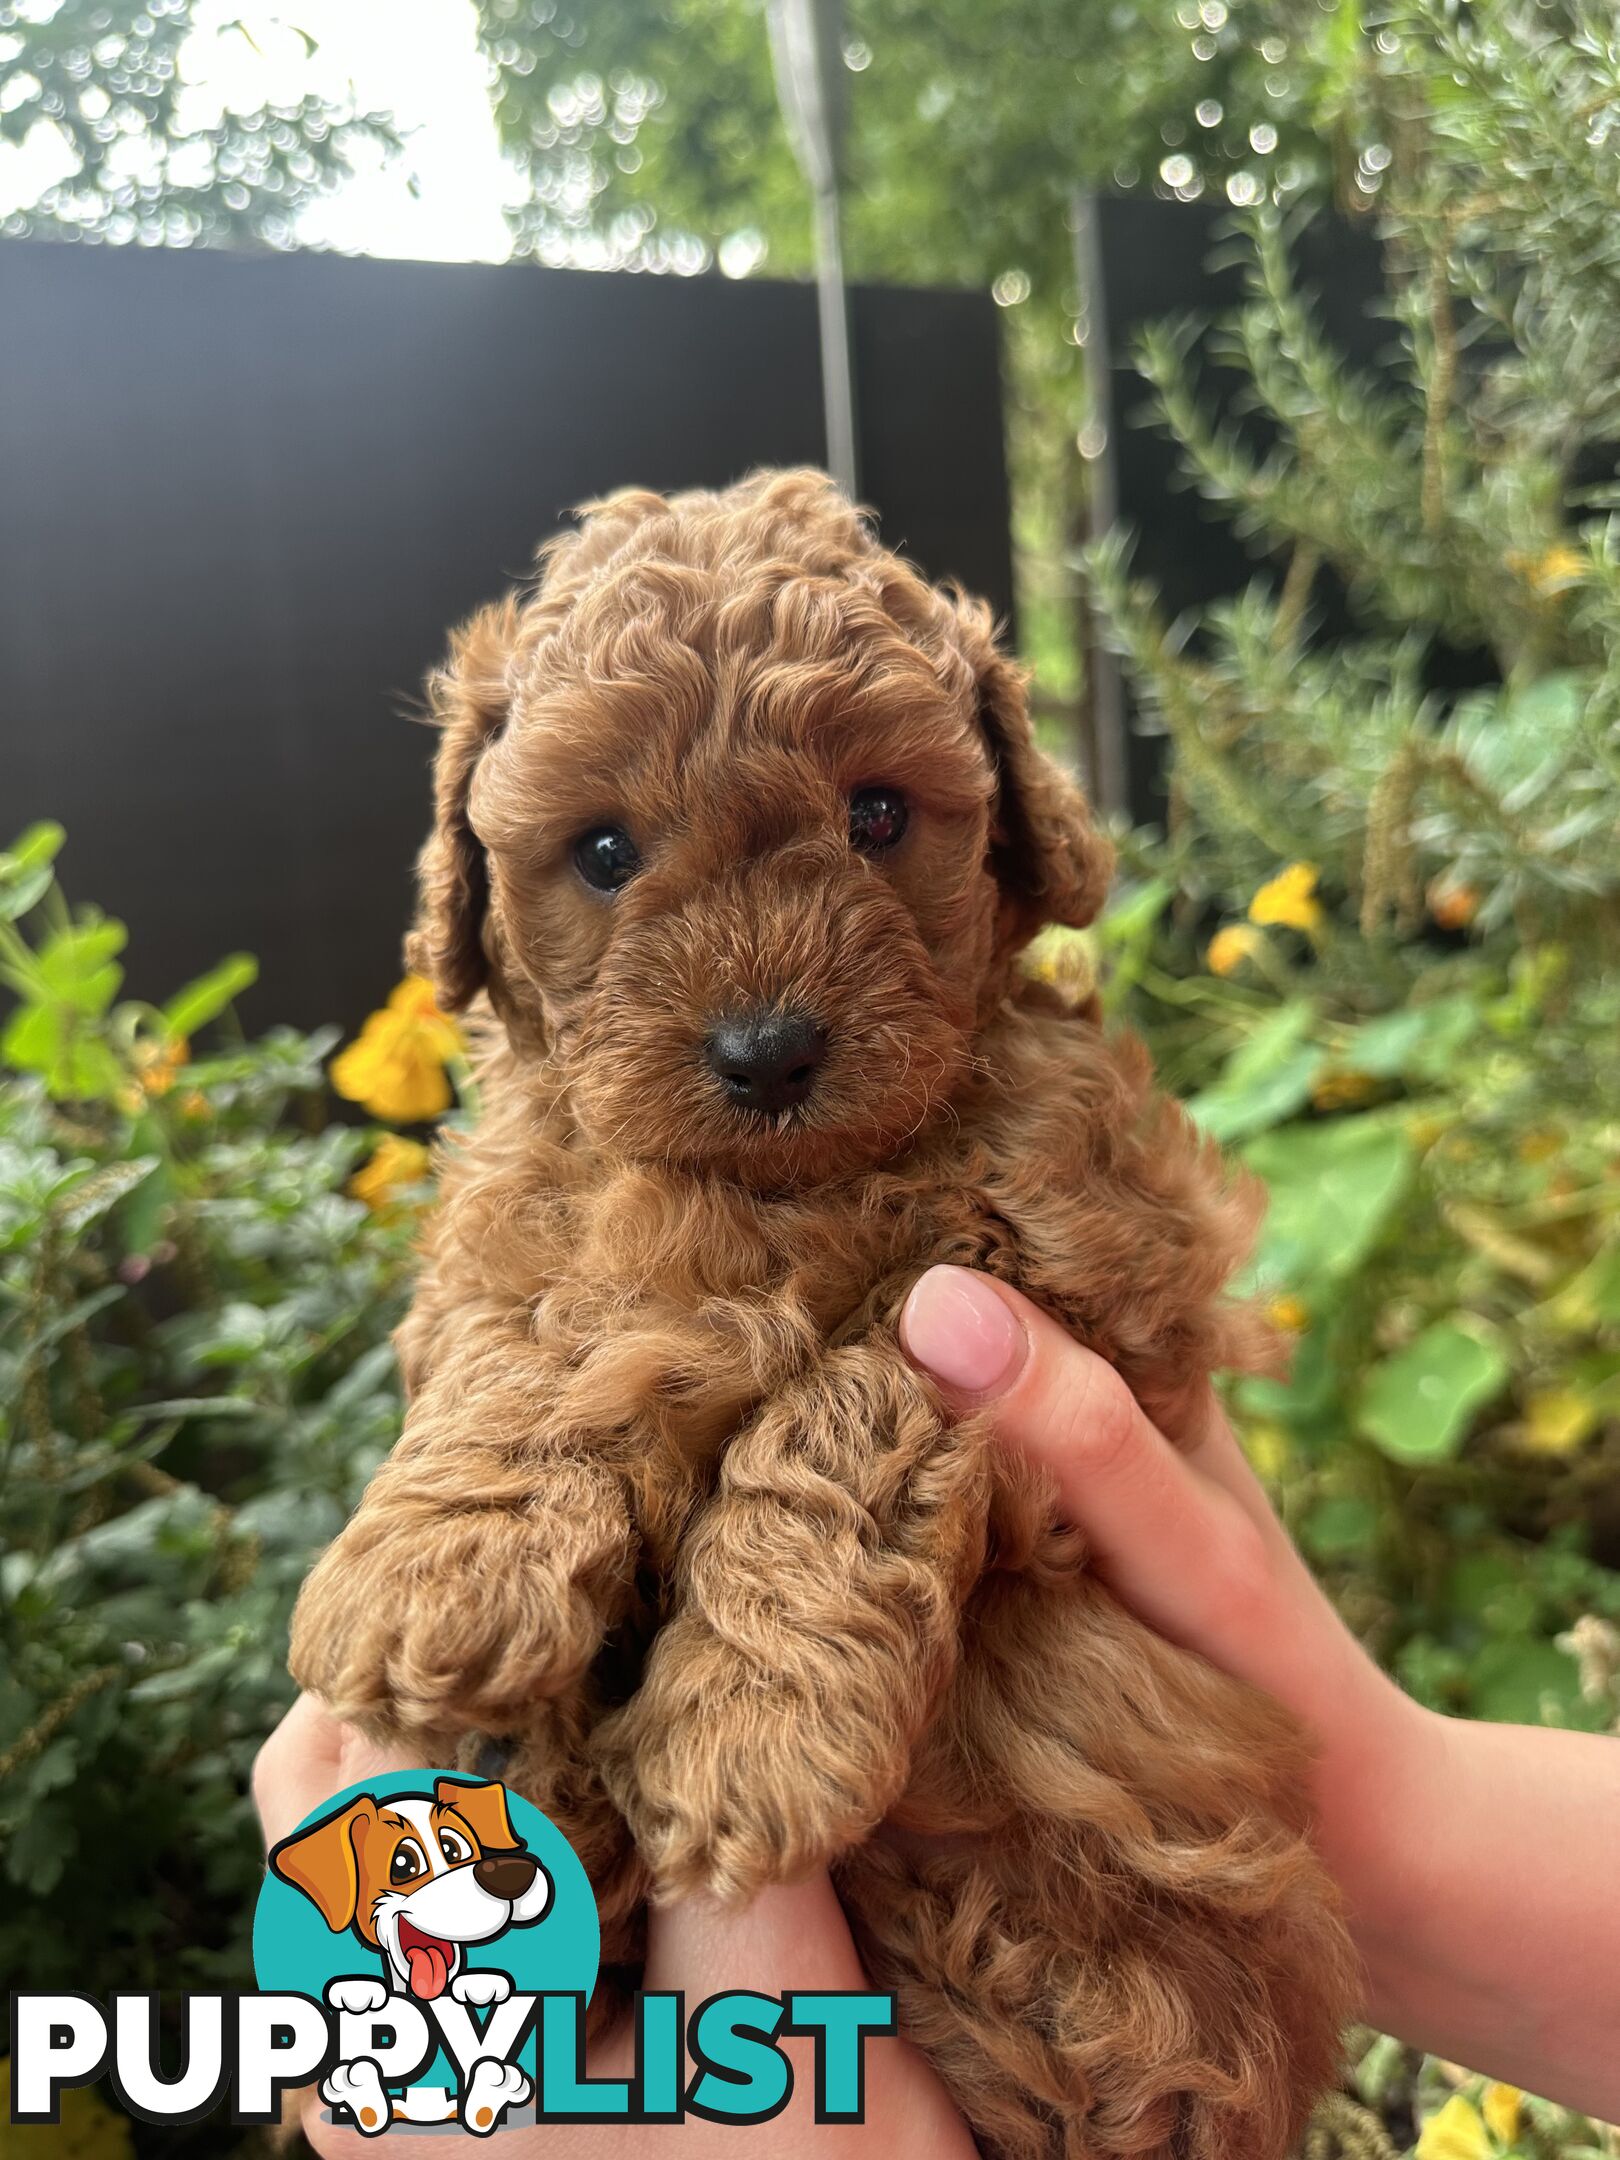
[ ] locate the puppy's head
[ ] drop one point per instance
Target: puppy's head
(740, 823)
(418, 1876)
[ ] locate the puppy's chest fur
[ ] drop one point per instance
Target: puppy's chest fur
(666, 1307)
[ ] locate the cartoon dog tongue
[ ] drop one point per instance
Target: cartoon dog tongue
(430, 1968)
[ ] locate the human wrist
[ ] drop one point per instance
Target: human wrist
(1376, 1787)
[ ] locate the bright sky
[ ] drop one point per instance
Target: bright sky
(418, 59)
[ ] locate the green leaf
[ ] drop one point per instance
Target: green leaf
(1416, 1406)
(1529, 1683)
(36, 848)
(1340, 1527)
(1310, 1399)
(101, 1192)
(75, 1064)
(1131, 919)
(1268, 1078)
(1228, 1114)
(18, 894)
(1494, 1590)
(1277, 1035)
(1515, 742)
(182, 1407)
(77, 968)
(207, 997)
(25, 870)
(39, 1849)
(1417, 1042)
(1333, 1187)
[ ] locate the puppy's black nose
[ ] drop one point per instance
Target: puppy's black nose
(504, 1875)
(766, 1060)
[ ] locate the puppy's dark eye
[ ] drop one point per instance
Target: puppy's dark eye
(606, 858)
(454, 1847)
(877, 818)
(408, 1862)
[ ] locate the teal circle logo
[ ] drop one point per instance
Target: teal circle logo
(412, 1903)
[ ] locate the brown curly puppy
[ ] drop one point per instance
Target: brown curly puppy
(740, 827)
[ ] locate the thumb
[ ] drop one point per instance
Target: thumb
(1175, 1536)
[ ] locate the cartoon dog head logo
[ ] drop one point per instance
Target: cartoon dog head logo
(418, 1876)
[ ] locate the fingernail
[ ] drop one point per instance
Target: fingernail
(955, 1327)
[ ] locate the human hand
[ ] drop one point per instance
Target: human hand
(795, 1937)
(1423, 1819)
(1182, 1533)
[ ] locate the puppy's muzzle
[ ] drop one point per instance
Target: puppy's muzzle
(766, 1060)
(504, 1875)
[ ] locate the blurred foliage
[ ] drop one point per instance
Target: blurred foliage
(648, 136)
(1376, 943)
(195, 1382)
(157, 162)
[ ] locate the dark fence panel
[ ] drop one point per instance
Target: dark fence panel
(1148, 261)
(244, 497)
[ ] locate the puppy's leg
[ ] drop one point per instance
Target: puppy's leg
(487, 1559)
(817, 1618)
(1096, 1902)
(550, 1766)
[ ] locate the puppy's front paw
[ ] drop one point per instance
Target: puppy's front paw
(358, 1996)
(358, 2087)
(445, 1631)
(730, 1780)
(480, 1988)
(491, 2090)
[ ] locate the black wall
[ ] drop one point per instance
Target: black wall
(1146, 261)
(243, 497)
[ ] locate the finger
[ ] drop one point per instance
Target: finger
(795, 1939)
(797, 1930)
(1178, 1546)
(310, 1756)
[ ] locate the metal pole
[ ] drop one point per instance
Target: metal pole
(807, 56)
(837, 363)
(1105, 686)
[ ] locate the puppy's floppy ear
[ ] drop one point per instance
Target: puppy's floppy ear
(323, 1861)
(483, 1808)
(469, 698)
(1050, 860)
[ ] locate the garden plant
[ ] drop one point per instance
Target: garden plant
(1372, 942)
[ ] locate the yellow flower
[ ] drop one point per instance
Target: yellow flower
(395, 1066)
(156, 1061)
(1427, 1127)
(1268, 1448)
(1554, 572)
(1288, 1311)
(1340, 1088)
(1228, 948)
(1557, 1420)
(1500, 2108)
(396, 1162)
(1061, 959)
(1289, 899)
(1540, 1146)
(1455, 2132)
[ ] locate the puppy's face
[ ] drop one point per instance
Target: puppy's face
(419, 1876)
(735, 806)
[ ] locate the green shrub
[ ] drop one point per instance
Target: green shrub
(195, 1381)
(1376, 944)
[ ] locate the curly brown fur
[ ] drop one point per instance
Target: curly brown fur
(670, 1507)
